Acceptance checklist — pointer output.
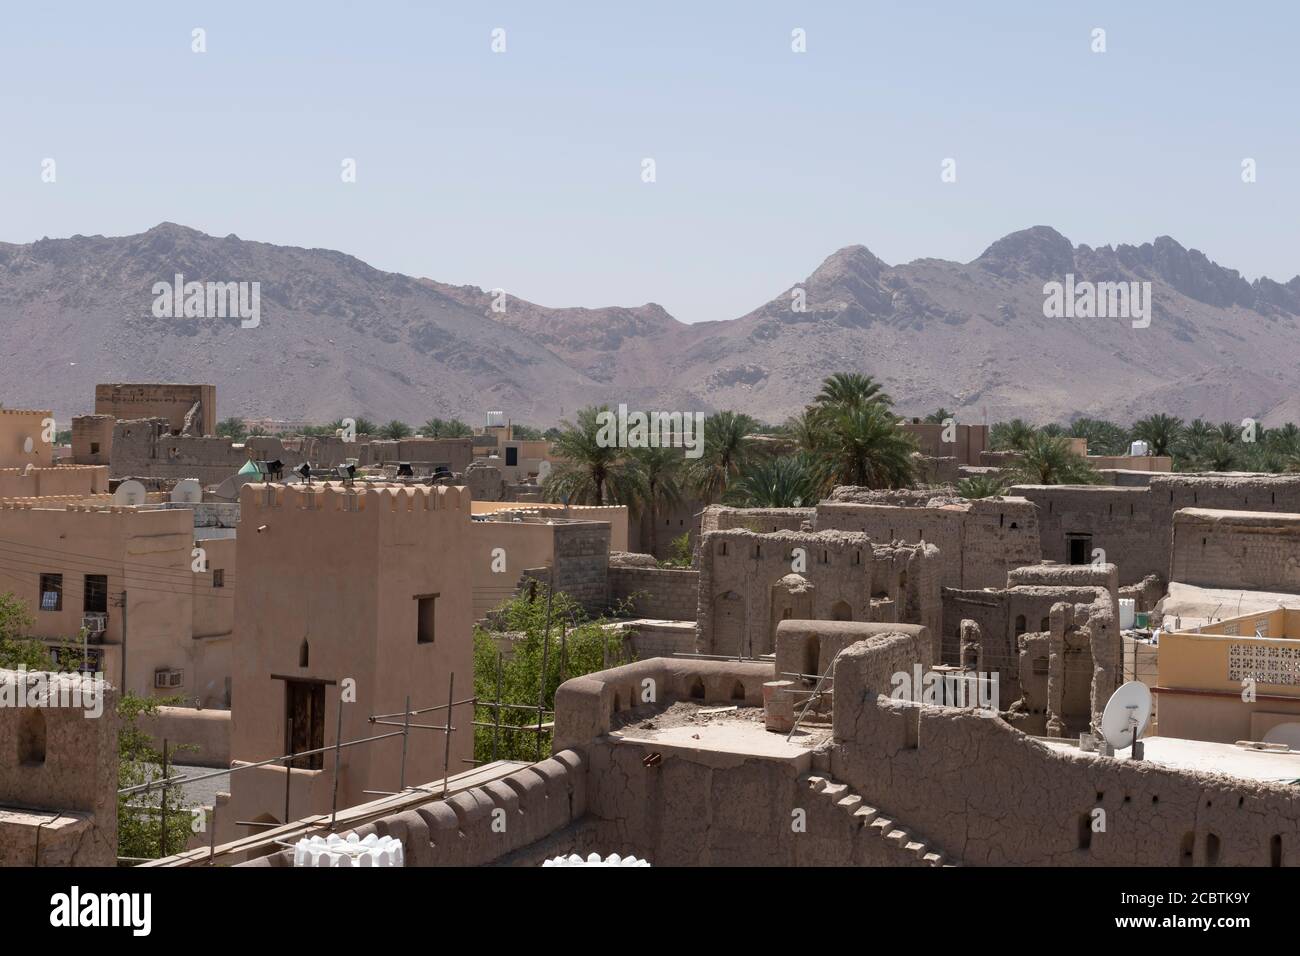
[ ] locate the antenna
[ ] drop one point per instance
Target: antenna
(1126, 716)
(188, 491)
(129, 493)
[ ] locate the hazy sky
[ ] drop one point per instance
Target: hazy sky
(523, 169)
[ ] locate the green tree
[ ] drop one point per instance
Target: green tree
(1049, 460)
(1010, 436)
(232, 428)
(395, 430)
(728, 448)
(445, 428)
(1161, 433)
(938, 417)
(679, 554)
(861, 444)
(139, 824)
(980, 486)
(526, 433)
(591, 470)
(655, 481)
(16, 648)
(1103, 437)
(788, 481)
(851, 388)
(574, 646)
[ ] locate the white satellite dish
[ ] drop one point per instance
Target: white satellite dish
(188, 491)
(129, 493)
(1128, 709)
(544, 469)
(28, 445)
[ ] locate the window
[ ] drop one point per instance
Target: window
(51, 592)
(512, 456)
(95, 594)
(94, 448)
(304, 721)
(1080, 548)
(218, 577)
(427, 618)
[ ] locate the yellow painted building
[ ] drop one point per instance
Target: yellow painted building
(1236, 679)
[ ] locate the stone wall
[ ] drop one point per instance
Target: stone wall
(1134, 524)
(978, 541)
(936, 762)
(1257, 551)
(58, 770)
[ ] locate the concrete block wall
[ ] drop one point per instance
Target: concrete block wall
(670, 594)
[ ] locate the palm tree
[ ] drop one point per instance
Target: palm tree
(1048, 460)
(1103, 437)
(395, 430)
(938, 417)
(785, 482)
(727, 449)
(804, 430)
(445, 428)
(1161, 433)
(1228, 432)
(589, 467)
(981, 486)
(861, 444)
(1010, 436)
(1218, 455)
(655, 480)
(849, 388)
(232, 428)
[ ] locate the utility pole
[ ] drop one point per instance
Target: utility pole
(122, 688)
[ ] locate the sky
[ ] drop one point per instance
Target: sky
(525, 169)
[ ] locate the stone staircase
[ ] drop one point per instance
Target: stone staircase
(875, 823)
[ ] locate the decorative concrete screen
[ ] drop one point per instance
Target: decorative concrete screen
(594, 859)
(350, 851)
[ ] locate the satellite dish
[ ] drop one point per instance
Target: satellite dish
(1129, 708)
(1287, 733)
(188, 491)
(28, 445)
(129, 493)
(544, 469)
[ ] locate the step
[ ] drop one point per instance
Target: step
(836, 790)
(934, 859)
(916, 848)
(899, 836)
(815, 782)
(864, 815)
(849, 803)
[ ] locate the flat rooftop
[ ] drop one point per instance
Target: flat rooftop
(1204, 756)
(720, 729)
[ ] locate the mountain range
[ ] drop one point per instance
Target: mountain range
(338, 337)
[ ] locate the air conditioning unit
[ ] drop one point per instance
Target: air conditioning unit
(168, 679)
(94, 625)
